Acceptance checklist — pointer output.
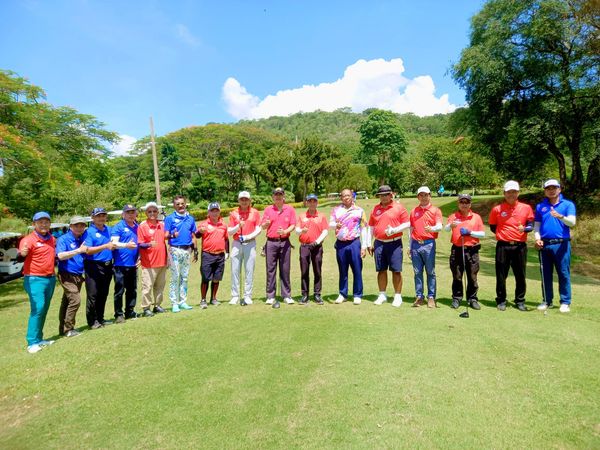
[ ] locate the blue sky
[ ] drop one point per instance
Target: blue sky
(192, 62)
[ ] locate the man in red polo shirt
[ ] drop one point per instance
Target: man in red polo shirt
(425, 223)
(279, 220)
(215, 243)
(387, 222)
(511, 221)
(312, 230)
(153, 259)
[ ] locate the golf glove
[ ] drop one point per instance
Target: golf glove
(464, 232)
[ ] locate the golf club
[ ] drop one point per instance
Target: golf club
(542, 278)
(464, 315)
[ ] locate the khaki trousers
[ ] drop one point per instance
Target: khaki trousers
(71, 300)
(153, 285)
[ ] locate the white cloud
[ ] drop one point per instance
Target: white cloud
(124, 146)
(184, 34)
(366, 84)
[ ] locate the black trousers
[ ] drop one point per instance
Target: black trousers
(311, 255)
(471, 266)
(125, 283)
(511, 256)
(97, 282)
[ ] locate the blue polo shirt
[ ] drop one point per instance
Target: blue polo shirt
(551, 227)
(94, 238)
(125, 257)
(184, 224)
(67, 243)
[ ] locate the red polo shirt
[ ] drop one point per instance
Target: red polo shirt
(251, 218)
(420, 217)
(508, 218)
(279, 219)
(152, 257)
(472, 221)
(393, 215)
(316, 223)
(40, 259)
(213, 239)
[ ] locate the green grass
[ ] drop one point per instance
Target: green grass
(340, 376)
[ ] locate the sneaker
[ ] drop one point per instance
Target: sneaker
(106, 323)
(474, 304)
(96, 325)
(147, 313)
(357, 300)
(303, 300)
(215, 302)
(270, 301)
(34, 348)
(234, 300)
(564, 308)
(175, 309)
(502, 306)
(340, 299)
(248, 300)
(318, 299)
(120, 319)
(289, 300)
(431, 302)
(381, 299)
(158, 310)
(184, 305)
(276, 304)
(455, 303)
(132, 315)
(419, 301)
(521, 306)
(44, 343)
(397, 301)
(203, 304)
(544, 306)
(72, 333)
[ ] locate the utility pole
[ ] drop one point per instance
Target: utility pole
(155, 162)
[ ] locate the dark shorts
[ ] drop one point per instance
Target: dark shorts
(388, 255)
(212, 266)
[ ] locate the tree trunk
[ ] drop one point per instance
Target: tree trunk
(560, 158)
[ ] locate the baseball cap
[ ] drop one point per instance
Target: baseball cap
(511, 186)
(278, 190)
(312, 197)
(423, 189)
(214, 205)
(97, 211)
(464, 197)
(150, 205)
(244, 194)
(77, 219)
(384, 189)
(551, 182)
(41, 215)
(129, 207)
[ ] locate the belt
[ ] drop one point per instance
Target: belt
(555, 241)
(308, 245)
(511, 242)
(245, 241)
(423, 241)
(183, 247)
(278, 239)
(100, 263)
(348, 240)
(390, 240)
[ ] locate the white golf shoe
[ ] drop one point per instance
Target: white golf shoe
(357, 300)
(270, 301)
(340, 299)
(288, 300)
(234, 300)
(564, 308)
(248, 300)
(34, 348)
(397, 301)
(543, 306)
(381, 299)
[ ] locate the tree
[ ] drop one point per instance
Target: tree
(383, 143)
(531, 74)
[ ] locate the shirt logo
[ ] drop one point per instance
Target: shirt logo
(544, 209)
(39, 244)
(126, 230)
(378, 212)
(417, 214)
(504, 214)
(151, 231)
(98, 235)
(176, 220)
(72, 245)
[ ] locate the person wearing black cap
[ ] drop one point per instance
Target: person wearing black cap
(467, 229)
(37, 251)
(125, 256)
(98, 268)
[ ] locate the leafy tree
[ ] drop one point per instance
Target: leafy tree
(383, 143)
(531, 74)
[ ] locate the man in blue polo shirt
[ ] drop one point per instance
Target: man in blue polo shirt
(69, 250)
(98, 268)
(125, 256)
(180, 229)
(554, 218)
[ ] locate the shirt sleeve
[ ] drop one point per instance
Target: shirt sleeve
(493, 220)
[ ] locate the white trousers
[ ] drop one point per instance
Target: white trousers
(242, 254)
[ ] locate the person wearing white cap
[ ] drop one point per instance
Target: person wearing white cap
(244, 226)
(425, 223)
(511, 221)
(554, 218)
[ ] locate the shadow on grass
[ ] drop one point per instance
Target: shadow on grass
(12, 294)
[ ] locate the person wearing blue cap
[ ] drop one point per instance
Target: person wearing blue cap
(125, 257)
(37, 251)
(98, 268)
(554, 218)
(180, 229)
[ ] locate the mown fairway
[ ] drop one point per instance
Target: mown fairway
(334, 376)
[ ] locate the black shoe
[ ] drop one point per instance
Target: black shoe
(203, 304)
(521, 306)
(318, 299)
(455, 303)
(132, 315)
(502, 306)
(304, 300)
(215, 302)
(475, 305)
(96, 325)
(276, 304)
(119, 319)
(158, 310)
(147, 313)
